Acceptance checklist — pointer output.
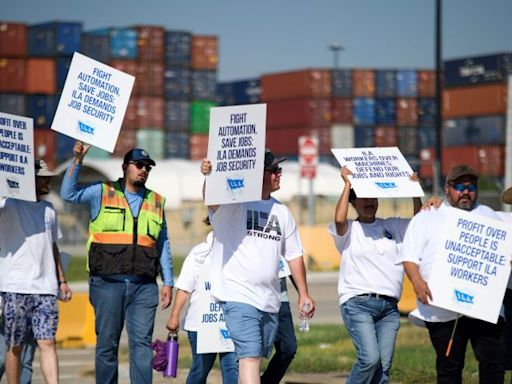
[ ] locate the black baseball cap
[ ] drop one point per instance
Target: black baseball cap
(138, 154)
(271, 161)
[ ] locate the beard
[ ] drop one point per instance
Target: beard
(139, 184)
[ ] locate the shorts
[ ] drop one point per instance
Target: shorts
(252, 331)
(24, 313)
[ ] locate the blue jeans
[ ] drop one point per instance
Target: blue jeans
(115, 301)
(373, 324)
(286, 347)
(202, 364)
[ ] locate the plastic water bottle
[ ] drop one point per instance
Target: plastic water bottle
(172, 348)
(303, 320)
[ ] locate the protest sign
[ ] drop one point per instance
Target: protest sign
(236, 148)
(378, 172)
(472, 265)
(93, 102)
(212, 333)
(17, 175)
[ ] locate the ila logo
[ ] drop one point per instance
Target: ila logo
(87, 129)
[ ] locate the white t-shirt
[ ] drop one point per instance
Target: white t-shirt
(420, 246)
(249, 240)
(507, 218)
(28, 231)
(369, 254)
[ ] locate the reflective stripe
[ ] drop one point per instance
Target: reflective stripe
(122, 238)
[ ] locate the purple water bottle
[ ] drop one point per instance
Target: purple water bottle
(172, 348)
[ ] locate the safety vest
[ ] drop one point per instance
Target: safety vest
(118, 242)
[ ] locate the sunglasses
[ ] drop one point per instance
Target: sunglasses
(275, 170)
(463, 187)
(140, 165)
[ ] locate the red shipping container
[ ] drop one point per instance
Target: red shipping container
(475, 101)
(341, 110)
(198, 146)
(13, 39)
(128, 66)
(285, 141)
(385, 137)
(460, 155)
(491, 160)
(298, 112)
(126, 141)
(131, 120)
(426, 83)
(45, 146)
(427, 161)
(150, 43)
(149, 79)
(40, 76)
(363, 83)
(150, 113)
(407, 112)
(309, 83)
(12, 75)
(204, 52)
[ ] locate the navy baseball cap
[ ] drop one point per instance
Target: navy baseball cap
(271, 161)
(138, 154)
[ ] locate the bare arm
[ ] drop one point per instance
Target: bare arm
(65, 291)
(298, 270)
(421, 288)
(206, 169)
(340, 214)
(173, 324)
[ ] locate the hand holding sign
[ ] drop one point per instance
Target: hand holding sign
(80, 150)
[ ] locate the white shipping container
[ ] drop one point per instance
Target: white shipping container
(342, 136)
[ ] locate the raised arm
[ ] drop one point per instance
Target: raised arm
(206, 169)
(416, 200)
(340, 214)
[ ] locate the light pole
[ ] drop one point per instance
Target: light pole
(336, 48)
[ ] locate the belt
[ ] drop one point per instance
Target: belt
(378, 296)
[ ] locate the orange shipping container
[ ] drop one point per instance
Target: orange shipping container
(150, 79)
(491, 160)
(198, 146)
(204, 52)
(130, 117)
(13, 39)
(150, 43)
(127, 140)
(306, 84)
(385, 137)
(298, 113)
(407, 112)
(45, 146)
(285, 141)
(426, 83)
(363, 83)
(427, 161)
(475, 101)
(128, 66)
(12, 75)
(40, 76)
(341, 110)
(460, 155)
(150, 113)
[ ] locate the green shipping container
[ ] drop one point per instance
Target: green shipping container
(152, 141)
(200, 116)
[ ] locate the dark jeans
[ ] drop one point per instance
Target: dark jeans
(507, 302)
(487, 340)
(286, 346)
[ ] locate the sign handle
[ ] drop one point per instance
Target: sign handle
(448, 349)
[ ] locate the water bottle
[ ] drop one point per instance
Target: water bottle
(172, 348)
(303, 320)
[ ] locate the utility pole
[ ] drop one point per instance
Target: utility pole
(438, 167)
(336, 48)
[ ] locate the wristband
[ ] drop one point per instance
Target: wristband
(62, 282)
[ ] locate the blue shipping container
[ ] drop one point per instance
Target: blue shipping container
(42, 108)
(363, 111)
(385, 111)
(54, 39)
(341, 83)
(364, 137)
(406, 83)
(247, 91)
(123, 42)
(62, 65)
(96, 47)
(177, 116)
(485, 130)
(204, 85)
(177, 83)
(13, 104)
(225, 94)
(385, 83)
(407, 140)
(427, 112)
(63, 147)
(177, 145)
(427, 137)
(177, 48)
(477, 70)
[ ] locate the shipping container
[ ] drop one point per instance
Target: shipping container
(477, 70)
(474, 131)
(131, 121)
(385, 83)
(363, 82)
(427, 110)
(406, 83)
(62, 65)
(239, 92)
(204, 52)
(129, 67)
(45, 146)
(200, 116)
(13, 39)
(63, 147)
(452, 156)
(341, 80)
(177, 145)
(149, 78)
(426, 83)
(40, 76)
(298, 113)
(285, 141)
(42, 108)
(198, 146)
(150, 43)
(364, 137)
(150, 113)
(385, 111)
(204, 85)
(177, 49)
(427, 162)
(407, 112)
(12, 75)
(308, 83)
(123, 42)
(152, 141)
(96, 47)
(126, 141)
(407, 140)
(490, 99)
(341, 110)
(342, 136)
(427, 137)
(54, 39)
(491, 160)
(177, 116)
(386, 137)
(363, 112)
(177, 83)
(13, 103)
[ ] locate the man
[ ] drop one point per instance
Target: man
(250, 239)
(418, 255)
(128, 244)
(32, 276)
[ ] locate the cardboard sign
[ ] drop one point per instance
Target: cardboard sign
(93, 102)
(378, 172)
(472, 265)
(212, 333)
(236, 148)
(17, 174)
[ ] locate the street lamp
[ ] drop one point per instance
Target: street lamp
(336, 48)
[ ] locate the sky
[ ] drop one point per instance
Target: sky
(268, 36)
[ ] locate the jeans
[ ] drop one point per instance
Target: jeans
(487, 340)
(203, 363)
(132, 300)
(286, 346)
(373, 324)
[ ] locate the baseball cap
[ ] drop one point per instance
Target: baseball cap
(460, 170)
(137, 154)
(270, 160)
(42, 169)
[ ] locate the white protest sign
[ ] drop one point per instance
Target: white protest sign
(17, 175)
(472, 265)
(378, 172)
(93, 102)
(212, 333)
(236, 148)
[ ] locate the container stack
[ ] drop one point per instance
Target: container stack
(239, 92)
